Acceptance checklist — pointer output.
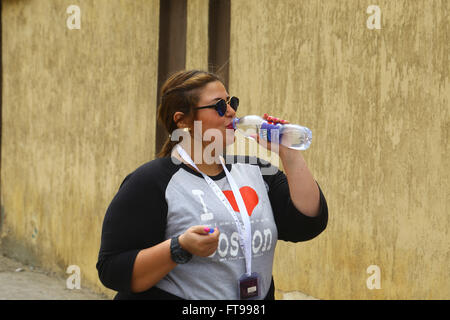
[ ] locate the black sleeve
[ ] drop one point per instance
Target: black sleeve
(135, 220)
(292, 224)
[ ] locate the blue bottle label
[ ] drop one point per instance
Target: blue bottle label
(269, 131)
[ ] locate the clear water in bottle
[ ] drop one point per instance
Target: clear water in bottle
(292, 136)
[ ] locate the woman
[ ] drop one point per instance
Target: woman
(184, 226)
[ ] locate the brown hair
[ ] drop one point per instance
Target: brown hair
(180, 93)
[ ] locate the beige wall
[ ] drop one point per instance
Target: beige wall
(377, 102)
(78, 115)
(197, 34)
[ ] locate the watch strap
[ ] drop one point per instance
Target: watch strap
(177, 253)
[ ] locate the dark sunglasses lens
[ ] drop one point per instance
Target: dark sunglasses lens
(221, 107)
(234, 103)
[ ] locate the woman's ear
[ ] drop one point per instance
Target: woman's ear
(178, 119)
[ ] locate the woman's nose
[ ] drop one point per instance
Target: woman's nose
(230, 111)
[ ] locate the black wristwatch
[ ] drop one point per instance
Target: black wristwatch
(178, 254)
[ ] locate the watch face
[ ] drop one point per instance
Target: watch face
(182, 258)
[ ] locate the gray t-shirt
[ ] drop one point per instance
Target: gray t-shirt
(192, 202)
(162, 199)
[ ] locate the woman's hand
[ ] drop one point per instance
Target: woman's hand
(199, 241)
(279, 147)
(274, 120)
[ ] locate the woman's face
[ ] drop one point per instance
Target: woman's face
(210, 118)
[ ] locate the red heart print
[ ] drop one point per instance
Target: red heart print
(249, 196)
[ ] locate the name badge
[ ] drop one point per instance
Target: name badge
(248, 286)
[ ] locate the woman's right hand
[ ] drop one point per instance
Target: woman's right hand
(198, 241)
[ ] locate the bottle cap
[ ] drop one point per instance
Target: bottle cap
(235, 120)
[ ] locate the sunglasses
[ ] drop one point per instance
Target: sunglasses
(221, 105)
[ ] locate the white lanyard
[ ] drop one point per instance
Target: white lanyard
(244, 231)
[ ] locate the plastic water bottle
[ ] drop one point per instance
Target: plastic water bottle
(292, 136)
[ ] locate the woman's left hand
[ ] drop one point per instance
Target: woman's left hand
(266, 144)
(274, 120)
